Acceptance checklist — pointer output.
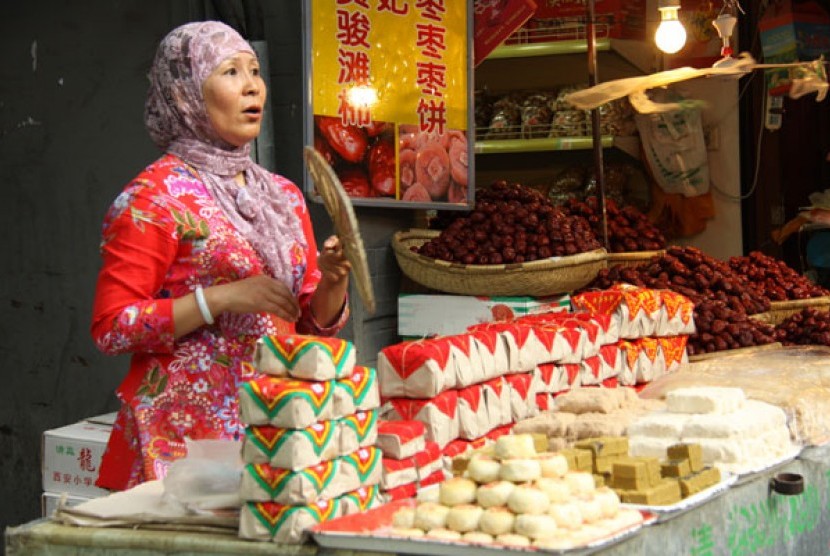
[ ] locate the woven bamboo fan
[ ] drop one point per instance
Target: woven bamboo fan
(536, 278)
(339, 207)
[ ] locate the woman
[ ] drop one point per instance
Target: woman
(203, 253)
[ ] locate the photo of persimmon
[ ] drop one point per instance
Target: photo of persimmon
(433, 167)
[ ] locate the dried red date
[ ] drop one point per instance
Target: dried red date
(350, 142)
(382, 168)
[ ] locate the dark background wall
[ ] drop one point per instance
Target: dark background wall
(72, 86)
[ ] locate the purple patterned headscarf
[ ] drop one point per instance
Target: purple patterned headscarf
(176, 118)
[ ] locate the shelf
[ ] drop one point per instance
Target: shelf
(579, 46)
(506, 146)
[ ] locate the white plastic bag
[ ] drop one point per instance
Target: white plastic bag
(208, 477)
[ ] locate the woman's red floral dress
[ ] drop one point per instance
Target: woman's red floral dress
(163, 236)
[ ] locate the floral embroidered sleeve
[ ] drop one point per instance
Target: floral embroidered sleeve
(137, 249)
(307, 324)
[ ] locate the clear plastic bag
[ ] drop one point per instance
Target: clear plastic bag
(207, 478)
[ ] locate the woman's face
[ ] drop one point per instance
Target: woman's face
(235, 97)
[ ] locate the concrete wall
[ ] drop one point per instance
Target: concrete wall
(72, 86)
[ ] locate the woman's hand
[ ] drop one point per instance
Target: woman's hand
(333, 264)
(254, 295)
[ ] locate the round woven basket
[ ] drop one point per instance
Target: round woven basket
(535, 278)
(632, 258)
(780, 310)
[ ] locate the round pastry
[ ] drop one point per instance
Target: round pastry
(528, 499)
(494, 494)
(430, 515)
(559, 541)
(483, 469)
(457, 490)
(407, 532)
(477, 537)
(608, 500)
(553, 465)
(404, 518)
(520, 470)
(496, 521)
(580, 482)
(535, 526)
(512, 539)
(557, 490)
(590, 509)
(444, 534)
(512, 446)
(566, 515)
(464, 517)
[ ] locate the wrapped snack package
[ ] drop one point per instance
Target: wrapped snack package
(398, 472)
(522, 396)
(677, 315)
(428, 461)
(591, 371)
(495, 359)
(674, 352)
(433, 479)
(439, 414)
(636, 310)
(357, 392)
(473, 418)
(358, 430)
(526, 348)
(590, 400)
(304, 357)
(401, 439)
(497, 401)
(611, 359)
(468, 368)
(284, 402)
(544, 401)
(550, 377)
(291, 448)
(652, 364)
(402, 492)
(361, 500)
(418, 369)
(362, 467)
(261, 482)
(270, 521)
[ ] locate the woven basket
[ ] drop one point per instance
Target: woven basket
(535, 278)
(632, 258)
(730, 352)
(780, 310)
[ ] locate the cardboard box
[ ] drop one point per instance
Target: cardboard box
(494, 21)
(72, 454)
(49, 502)
(439, 315)
(793, 31)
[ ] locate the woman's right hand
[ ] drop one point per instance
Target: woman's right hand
(254, 295)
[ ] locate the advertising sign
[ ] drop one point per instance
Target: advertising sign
(389, 89)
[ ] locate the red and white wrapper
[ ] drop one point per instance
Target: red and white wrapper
(522, 396)
(286, 402)
(434, 478)
(284, 524)
(608, 328)
(550, 377)
(292, 449)
(497, 433)
(630, 361)
(468, 368)
(439, 414)
(574, 373)
(591, 371)
(358, 430)
(677, 315)
(497, 400)
(544, 401)
(357, 392)
(612, 360)
(569, 343)
(643, 361)
(304, 357)
(495, 359)
(461, 446)
(418, 369)
(398, 472)
(400, 493)
(530, 350)
(636, 310)
(429, 461)
(401, 439)
(473, 419)
(674, 352)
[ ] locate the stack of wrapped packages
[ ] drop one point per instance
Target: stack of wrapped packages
(469, 389)
(410, 462)
(309, 447)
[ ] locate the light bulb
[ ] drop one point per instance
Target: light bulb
(671, 35)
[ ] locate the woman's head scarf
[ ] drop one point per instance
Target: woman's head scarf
(177, 120)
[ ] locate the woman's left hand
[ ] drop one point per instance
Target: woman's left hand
(332, 262)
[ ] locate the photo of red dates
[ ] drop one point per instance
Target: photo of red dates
(363, 157)
(433, 166)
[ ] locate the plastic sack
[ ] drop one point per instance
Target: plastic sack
(675, 147)
(796, 379)
(207, 478)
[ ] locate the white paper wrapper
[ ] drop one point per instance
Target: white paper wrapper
(285, 402)
(497, 400)
(569, 344)
(263, 483)
(612, 361)
(362, 467)
(439, 414)
(468, 365)
(495, 358)
(522, 396)
(361, 500)
(357, 392)
(401, 439)
(473, 418)
(291, 448)
(428, 461)
(269, 521)
(304, 357)
(419, 369)
(544, 401)
(398, 473)
(358, 430)
(591, 371)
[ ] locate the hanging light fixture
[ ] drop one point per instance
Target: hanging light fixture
(725, 26)
(671, 35)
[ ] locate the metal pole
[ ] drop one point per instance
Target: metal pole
(599, 171)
